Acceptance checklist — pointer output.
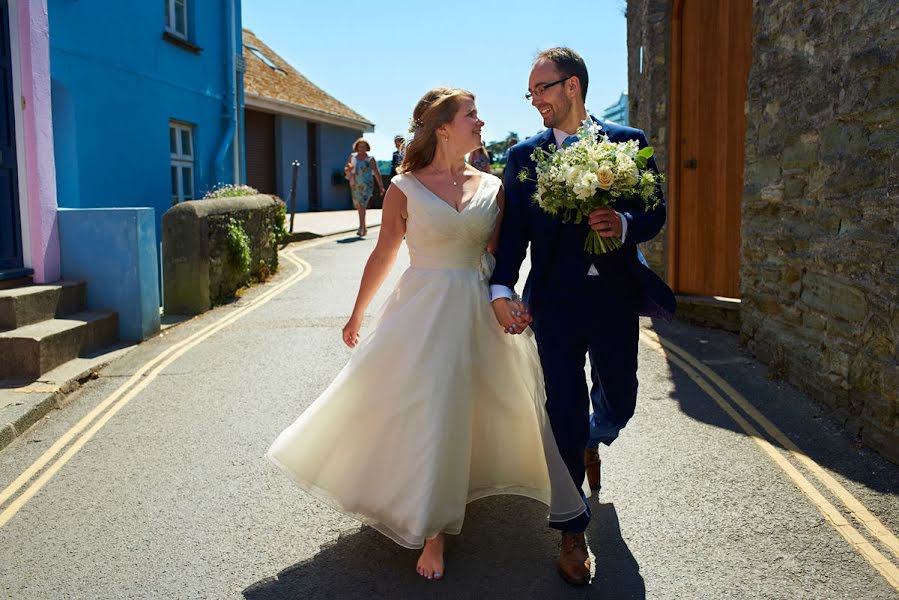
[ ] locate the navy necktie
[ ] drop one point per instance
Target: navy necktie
(569, 140)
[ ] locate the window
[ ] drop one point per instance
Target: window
(176, 18)
(181, 147)
(266, 60)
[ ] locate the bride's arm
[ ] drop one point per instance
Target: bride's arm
(393, 228)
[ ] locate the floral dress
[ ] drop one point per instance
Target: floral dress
(479, 161)
(363, 182)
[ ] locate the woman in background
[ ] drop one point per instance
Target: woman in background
(362, 171)
(479, 159)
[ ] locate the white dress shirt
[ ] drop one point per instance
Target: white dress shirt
(501, 291)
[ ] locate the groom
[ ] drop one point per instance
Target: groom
(577, 303)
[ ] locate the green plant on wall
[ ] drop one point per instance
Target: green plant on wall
(279, 227)
(277, 236)
(238, 246)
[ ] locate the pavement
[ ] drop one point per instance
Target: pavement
(23, 403)
(313, 225)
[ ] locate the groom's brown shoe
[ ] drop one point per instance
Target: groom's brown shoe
(574, 562)
(591, 466)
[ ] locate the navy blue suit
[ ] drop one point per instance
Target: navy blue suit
(576, 314)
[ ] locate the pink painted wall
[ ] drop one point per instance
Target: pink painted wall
(40, 170)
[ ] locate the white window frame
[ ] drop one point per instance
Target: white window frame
(181, 161)
(171, 8)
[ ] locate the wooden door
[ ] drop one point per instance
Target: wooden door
(10, 226)
(712, 52)
(259, 130)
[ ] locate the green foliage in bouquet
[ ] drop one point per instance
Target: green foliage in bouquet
(592, 173)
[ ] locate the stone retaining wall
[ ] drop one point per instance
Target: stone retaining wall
(819, 267)
(197, 272)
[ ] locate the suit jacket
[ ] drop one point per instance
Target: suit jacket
(525, 223)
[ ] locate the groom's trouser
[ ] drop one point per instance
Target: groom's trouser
(598, 315)
(605, 421)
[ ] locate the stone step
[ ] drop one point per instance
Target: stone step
(35, 303)
(710, 311)
(32, 350)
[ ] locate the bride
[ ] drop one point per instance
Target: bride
(437, 406)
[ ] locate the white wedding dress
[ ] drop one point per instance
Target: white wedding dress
(437, 406)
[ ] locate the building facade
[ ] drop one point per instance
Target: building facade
(289, 119)
(618, 112)
(147, 107)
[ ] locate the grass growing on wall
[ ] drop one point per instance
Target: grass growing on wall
(238, 246)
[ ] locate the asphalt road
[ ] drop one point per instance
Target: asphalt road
(162, 489)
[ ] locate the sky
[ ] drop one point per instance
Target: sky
(381, 62)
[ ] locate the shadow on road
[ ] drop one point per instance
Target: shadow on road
(351, 240)
(504, 551)
(818, 430)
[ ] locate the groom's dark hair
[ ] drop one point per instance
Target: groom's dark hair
(568, 62)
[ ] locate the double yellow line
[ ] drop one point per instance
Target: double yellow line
(25, 486)
(708, 380)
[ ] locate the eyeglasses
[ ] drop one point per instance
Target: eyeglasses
(542, 87)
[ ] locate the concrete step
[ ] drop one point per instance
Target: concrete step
(32, 350)
(23, 306)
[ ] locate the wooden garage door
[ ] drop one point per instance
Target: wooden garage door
(260, 150)
(712, 54)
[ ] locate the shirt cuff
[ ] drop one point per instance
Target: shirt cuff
(500, 291)
(623, 226)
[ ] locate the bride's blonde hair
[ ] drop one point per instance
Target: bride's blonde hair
(437, 107)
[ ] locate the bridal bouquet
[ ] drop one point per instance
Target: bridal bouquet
(592, 173)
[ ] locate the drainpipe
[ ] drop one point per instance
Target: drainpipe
(238, 92)
(230, 101)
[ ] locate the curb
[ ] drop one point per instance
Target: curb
(37, 405)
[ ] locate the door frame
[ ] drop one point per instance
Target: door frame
(19, 120)
(674, 141)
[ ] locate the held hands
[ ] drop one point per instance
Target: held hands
(606, 221)
(351, 331)
(512, 315)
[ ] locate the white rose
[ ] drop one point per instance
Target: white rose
(605, 177)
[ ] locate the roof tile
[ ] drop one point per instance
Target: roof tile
(286, 84)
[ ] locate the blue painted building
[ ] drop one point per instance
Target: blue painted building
(147, 100)
(288, 118)
(618, 112)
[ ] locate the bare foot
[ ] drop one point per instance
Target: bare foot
(430, 564)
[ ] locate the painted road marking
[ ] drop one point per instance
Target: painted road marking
(687, 362)
(106, 409)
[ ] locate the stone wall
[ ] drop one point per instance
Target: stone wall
(648, 27)
(819, 265)
(820, 213)
(196, 269)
